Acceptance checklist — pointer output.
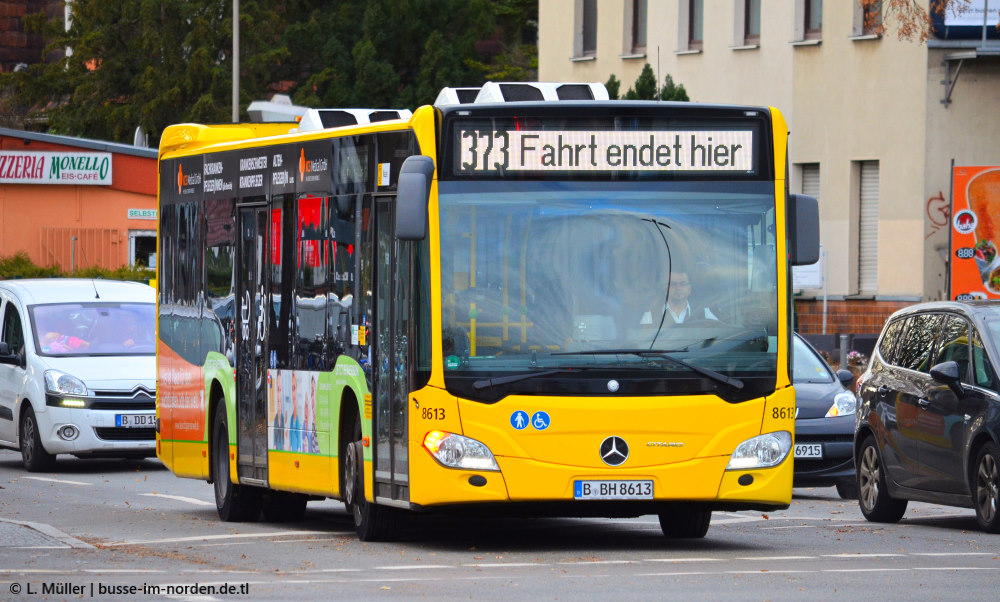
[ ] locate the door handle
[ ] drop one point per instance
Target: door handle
(923, 402)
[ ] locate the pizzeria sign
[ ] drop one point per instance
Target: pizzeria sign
(45, 167)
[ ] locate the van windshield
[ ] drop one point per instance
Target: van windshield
(103, 328)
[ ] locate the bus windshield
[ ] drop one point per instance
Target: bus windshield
(570, 283)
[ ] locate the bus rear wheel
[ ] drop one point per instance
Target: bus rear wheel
(371, 521)
(235, 503)
(685, 522)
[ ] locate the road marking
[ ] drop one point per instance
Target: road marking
(590, 562)
(859, 555)
(872, 570)
(142, 542)
(777, 557)
(63, 481)
(413, 567)
(503, 565)
(682, 559)
(954, 553)
(180, 498)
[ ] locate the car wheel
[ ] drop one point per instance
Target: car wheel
(848, 489)
(371, 521)
(685, 522)
(986, 483)
(873, 495)
(33, 454)
(235, 503)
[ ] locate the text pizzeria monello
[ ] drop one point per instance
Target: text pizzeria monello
(44, 167)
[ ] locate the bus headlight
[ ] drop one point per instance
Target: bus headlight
(456, 451)
(61, 383)
(762, 451)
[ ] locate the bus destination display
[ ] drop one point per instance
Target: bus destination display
(485, 151)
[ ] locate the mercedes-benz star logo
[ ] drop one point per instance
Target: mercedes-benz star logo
(614, 451)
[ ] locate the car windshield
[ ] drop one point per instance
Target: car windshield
(101, 328)
(807, 366)
(553, 275)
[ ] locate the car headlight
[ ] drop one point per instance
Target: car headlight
(456, 451)
(843, 404)
(762, 451)
(61, 383)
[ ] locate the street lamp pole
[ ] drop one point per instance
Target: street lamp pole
(236, 61)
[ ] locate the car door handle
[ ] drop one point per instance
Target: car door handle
(923, 402)
(883, 391)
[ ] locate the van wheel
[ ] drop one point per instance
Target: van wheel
(685, 522)
(873, 495)
(987, 482)
(33, 454)
(235, 503)
(371, 521)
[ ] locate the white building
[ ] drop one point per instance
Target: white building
(876, 123)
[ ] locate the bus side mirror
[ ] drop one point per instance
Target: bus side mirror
(412, 197)
(803, 229)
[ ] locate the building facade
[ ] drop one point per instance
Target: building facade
(77, 203)
(876, 122)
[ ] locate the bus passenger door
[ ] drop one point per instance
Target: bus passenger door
(391, 364)
(252, 306)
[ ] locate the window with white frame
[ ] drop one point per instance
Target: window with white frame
(585, 37)
(747, 23)
(142, 248)
(867, 18)
(690, 24)
(809, 20)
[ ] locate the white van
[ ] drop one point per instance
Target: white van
(77, 369)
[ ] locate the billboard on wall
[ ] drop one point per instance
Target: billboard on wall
(975, 233)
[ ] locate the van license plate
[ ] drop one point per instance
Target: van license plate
(812, 451)
(613, 490)
(134, 420)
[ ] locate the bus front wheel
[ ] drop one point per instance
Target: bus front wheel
(371, 521)
(235, 503)
(685, 522)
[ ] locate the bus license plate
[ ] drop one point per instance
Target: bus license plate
(134, 420)
(613, 490)
(809, 450)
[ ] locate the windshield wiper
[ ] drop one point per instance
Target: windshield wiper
(665, 354)
(513, 378)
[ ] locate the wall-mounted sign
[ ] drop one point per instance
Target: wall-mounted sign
(142, 214)
(44, 167)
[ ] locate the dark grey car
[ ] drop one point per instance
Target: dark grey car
(824, 422)
(929, 417)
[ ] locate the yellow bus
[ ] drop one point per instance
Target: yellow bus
(515, 304)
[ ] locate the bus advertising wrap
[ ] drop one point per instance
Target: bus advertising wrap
(975, 211)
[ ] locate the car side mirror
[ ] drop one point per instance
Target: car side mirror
(846, 378)
(947, 373)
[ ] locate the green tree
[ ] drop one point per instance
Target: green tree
(613, 85)
(151, 63)
(645, 87)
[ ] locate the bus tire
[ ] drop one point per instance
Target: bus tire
(685, 522)
(235, 503)
(371, 521)
(33, 453)
(284, 506)
(873, 494)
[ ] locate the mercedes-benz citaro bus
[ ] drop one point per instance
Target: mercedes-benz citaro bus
(534, 302)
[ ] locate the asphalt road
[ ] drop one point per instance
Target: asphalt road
(95, 528)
